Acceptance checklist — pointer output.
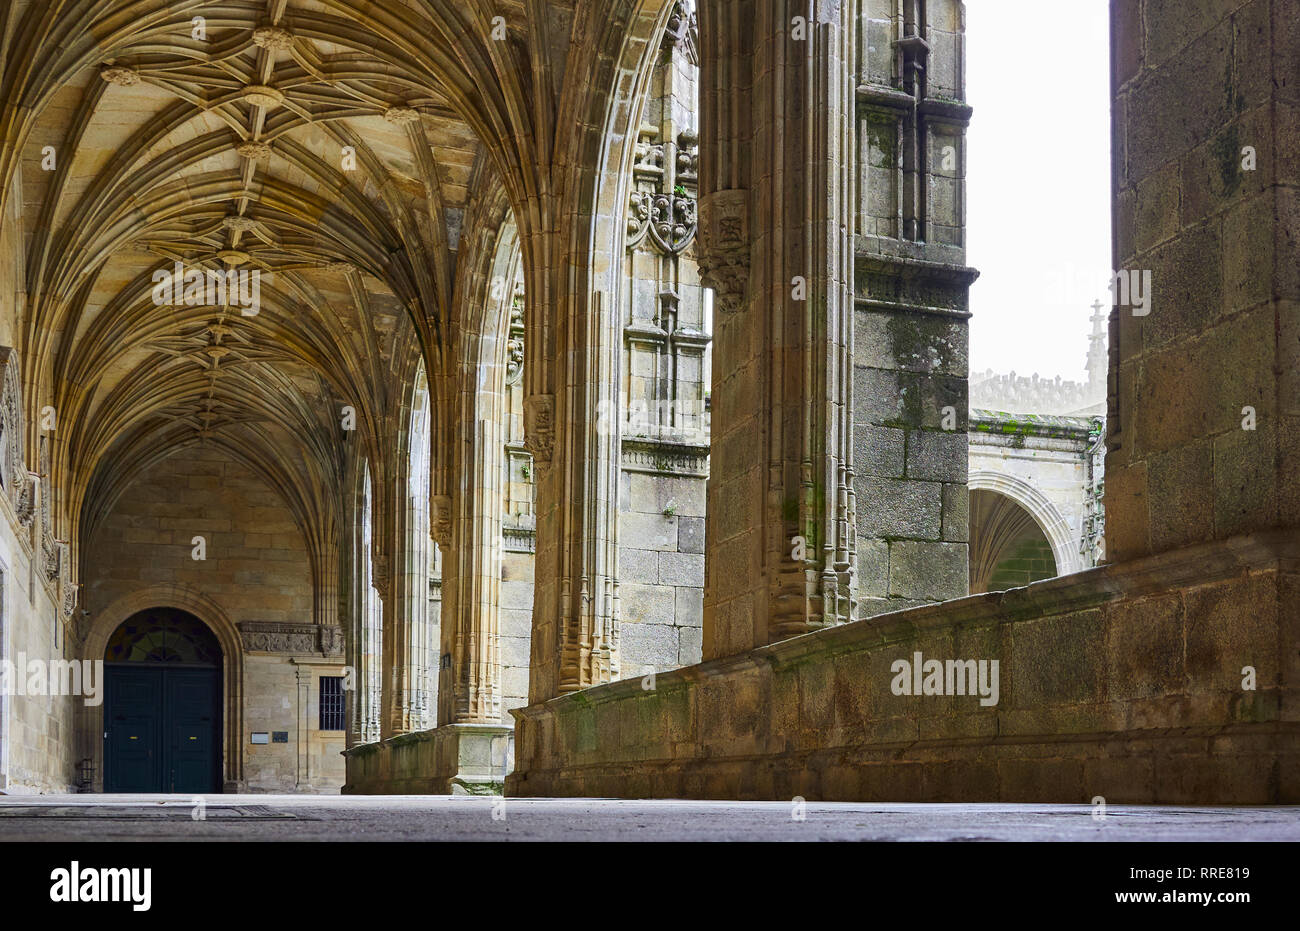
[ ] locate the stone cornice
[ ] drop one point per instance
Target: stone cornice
(999, 423)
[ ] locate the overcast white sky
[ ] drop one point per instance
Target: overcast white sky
(1038, 169)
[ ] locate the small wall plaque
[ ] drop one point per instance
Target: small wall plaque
(280, 737)
(260, 737)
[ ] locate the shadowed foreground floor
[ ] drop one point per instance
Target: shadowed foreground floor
(459, 818)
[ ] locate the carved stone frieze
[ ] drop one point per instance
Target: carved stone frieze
(284, 637)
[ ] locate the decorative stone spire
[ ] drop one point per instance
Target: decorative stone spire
(1097, 359)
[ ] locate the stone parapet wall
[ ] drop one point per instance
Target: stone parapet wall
(1123, 682)
(455, 759)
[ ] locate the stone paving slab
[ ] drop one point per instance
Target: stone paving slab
(460, 818)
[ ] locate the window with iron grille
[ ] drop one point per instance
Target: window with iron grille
(331, 703)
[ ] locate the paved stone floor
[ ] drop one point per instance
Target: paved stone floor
(444, 818)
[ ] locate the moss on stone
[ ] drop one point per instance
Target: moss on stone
(1225, 151)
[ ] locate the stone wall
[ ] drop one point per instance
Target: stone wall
(256, 570)
(256, 564)
(1207, 204)
(1124, 682)
(516, 628)
(38, 747)
(661, 570)
(910, 284)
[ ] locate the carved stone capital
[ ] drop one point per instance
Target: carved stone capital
(724, 246)
(381, 574)
(539, 426)
(440, 526)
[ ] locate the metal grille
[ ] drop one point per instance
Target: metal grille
(331, 703)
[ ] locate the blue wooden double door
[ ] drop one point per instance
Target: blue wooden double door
(162, 728)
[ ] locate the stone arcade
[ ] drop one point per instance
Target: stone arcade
(433, 562)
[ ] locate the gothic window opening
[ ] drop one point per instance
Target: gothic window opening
(418, 559)
(372, 623)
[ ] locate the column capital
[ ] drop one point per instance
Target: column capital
(724, 245)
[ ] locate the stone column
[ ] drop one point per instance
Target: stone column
(392, 649)
(303, 675)
(911, 362)
(468, 531)
(776, 234)
(1204, 420)
(570, 376)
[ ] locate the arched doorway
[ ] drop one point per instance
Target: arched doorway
(1008, 549)
(162, 705)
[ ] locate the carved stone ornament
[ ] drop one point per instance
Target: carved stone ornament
(69, 599)
(13, 469)
(688, 155)
(514, 360)
(380, 574)
(515, 341)
(259, 95)
(25, 503)
(253, 150)
(440, 525)
(539, 426)
(638, 217)
(281, 637)
(724, 246)
(273, 37)
(401, 116)
(122, 77)
(672, 221)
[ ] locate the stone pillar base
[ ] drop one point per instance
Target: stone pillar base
(455, 759)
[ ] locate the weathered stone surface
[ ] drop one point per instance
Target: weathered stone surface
(1079, 699)
(926, 571)
(889, 508)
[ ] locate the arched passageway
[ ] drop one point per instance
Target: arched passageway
(1008, 548)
